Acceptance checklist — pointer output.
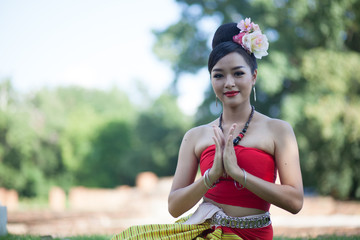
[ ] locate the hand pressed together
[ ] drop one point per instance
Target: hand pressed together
(229, 157)
(217, 169)
(225, 162)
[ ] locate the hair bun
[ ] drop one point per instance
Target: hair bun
(225, 33)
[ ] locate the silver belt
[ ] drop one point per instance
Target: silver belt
(257, 221)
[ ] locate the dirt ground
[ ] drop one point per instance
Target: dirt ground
(106, 223)
(319, 216)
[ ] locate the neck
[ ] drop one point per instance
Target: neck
(237, 115)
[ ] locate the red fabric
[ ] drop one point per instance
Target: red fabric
(265, 233)
(253, 161)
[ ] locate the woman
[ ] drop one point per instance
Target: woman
(238, 170)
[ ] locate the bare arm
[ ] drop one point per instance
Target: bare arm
(185, 193)
(289, 195)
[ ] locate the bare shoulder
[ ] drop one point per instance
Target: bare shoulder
(199, 137)
(274, 134)
(279, 125)
(195, 133)
(286, 148)
(279, 128)
(272, 126)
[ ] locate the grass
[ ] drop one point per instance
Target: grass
(28, 237)
(325, 237)
(103, 237)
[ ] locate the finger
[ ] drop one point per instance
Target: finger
(230, 139)
(229, 142)
(218, 151)
(229, 146)
(216, 142)
(219, 135)
(218, 146)
(215, 130)
(218, 131)
(216, 136)
(232, 129)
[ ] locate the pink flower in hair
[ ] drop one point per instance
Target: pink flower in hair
(238, 38)
(251, 38)
(256, 43)
(255, 27)
(245, 25)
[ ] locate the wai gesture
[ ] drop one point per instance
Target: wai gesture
(225, 162)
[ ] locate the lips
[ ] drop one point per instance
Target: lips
(231, 93)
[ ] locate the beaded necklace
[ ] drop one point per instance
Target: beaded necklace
(242, 133)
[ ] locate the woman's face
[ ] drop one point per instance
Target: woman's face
(232, 79)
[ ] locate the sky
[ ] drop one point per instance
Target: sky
(93, 44)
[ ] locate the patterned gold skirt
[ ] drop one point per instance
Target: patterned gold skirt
(202, 225)
(175, 231)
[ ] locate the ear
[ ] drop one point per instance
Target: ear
(254, 77)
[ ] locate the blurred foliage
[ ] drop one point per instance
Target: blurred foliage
(328, 113)
(310, 77)
(158, 132)
(74, 136)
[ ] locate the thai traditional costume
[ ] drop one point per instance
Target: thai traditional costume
(209, 221)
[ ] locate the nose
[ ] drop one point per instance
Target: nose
(230, 82)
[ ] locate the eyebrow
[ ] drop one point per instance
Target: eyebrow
(234, 68)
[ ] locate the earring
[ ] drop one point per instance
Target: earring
(254, 93)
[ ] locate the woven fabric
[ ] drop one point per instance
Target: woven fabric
(174, 231)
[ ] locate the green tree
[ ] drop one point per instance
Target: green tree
(46, 137)
(302, 34)
(74, 136)
(326, 114)
(110, 157)
(18, 145)
(88, 113)
(159, 132)
(120, 150)
(91, 125)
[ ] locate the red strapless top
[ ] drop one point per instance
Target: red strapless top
(254, 161)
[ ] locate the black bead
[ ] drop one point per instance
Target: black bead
(236, 140)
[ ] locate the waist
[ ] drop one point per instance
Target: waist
(208, 212)
(233, 210)
(226, 193)
(254, 221)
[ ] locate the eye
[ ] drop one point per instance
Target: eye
(239, 73)
(217, 75)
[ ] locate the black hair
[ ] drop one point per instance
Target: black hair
(223, 44)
